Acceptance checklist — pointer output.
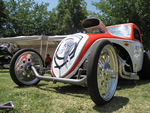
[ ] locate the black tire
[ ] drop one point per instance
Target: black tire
(102, 62)
(145, 72)
(15, 51)
(20, 70)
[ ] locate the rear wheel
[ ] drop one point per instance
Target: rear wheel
(20, 67)
(145, 72)
(102, 73)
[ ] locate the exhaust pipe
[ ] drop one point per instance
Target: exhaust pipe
(123, 73)
(63, 80)
(94, 24)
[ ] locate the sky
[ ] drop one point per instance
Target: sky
(54, 3)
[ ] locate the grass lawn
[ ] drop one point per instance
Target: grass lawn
(46, 97)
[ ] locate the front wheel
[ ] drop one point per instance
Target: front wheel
(20, 67)
(102, 72)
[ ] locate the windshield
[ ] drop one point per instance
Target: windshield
(121, 31)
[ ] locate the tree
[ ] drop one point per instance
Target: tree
(26, 17)
(51, 24)
(3, 17)
(70, 14)
(126, 11)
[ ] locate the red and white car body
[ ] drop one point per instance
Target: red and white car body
(74, 49)
(95, 60)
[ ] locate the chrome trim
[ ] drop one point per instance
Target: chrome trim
(123, 73)
(63, 80)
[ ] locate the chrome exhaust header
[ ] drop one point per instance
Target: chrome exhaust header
(123, 73)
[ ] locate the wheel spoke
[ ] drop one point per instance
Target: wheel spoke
(107, 72)
(103, 88)
(22, 67)
(113, 76)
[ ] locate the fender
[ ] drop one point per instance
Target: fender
(72, 51)
(67, 54)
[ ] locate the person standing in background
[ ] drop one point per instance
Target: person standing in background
(48, 60)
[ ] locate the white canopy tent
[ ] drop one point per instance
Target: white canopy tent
(34, 41)
(43, 44)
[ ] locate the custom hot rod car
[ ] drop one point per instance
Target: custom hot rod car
(96, 60)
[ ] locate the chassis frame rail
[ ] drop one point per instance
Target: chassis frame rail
(63, 80)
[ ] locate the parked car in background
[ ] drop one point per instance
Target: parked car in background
(5, 56)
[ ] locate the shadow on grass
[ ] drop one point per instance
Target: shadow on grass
(72, 90)
(125, 84)
(7, 111)
(64, 89)
(67, 90)
(115, 104)
(4, 71)
(30, 86)
(77, 91)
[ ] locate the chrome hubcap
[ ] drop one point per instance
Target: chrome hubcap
(107, 75)
(23, 67)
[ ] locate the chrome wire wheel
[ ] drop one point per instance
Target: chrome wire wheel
(102, 72)
(20, 67)
(107, 72)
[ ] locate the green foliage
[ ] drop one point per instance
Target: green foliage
(70, 14)
(50, 25)
(2, 13)
(26, 17)
(126, 11)
(3, 17)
